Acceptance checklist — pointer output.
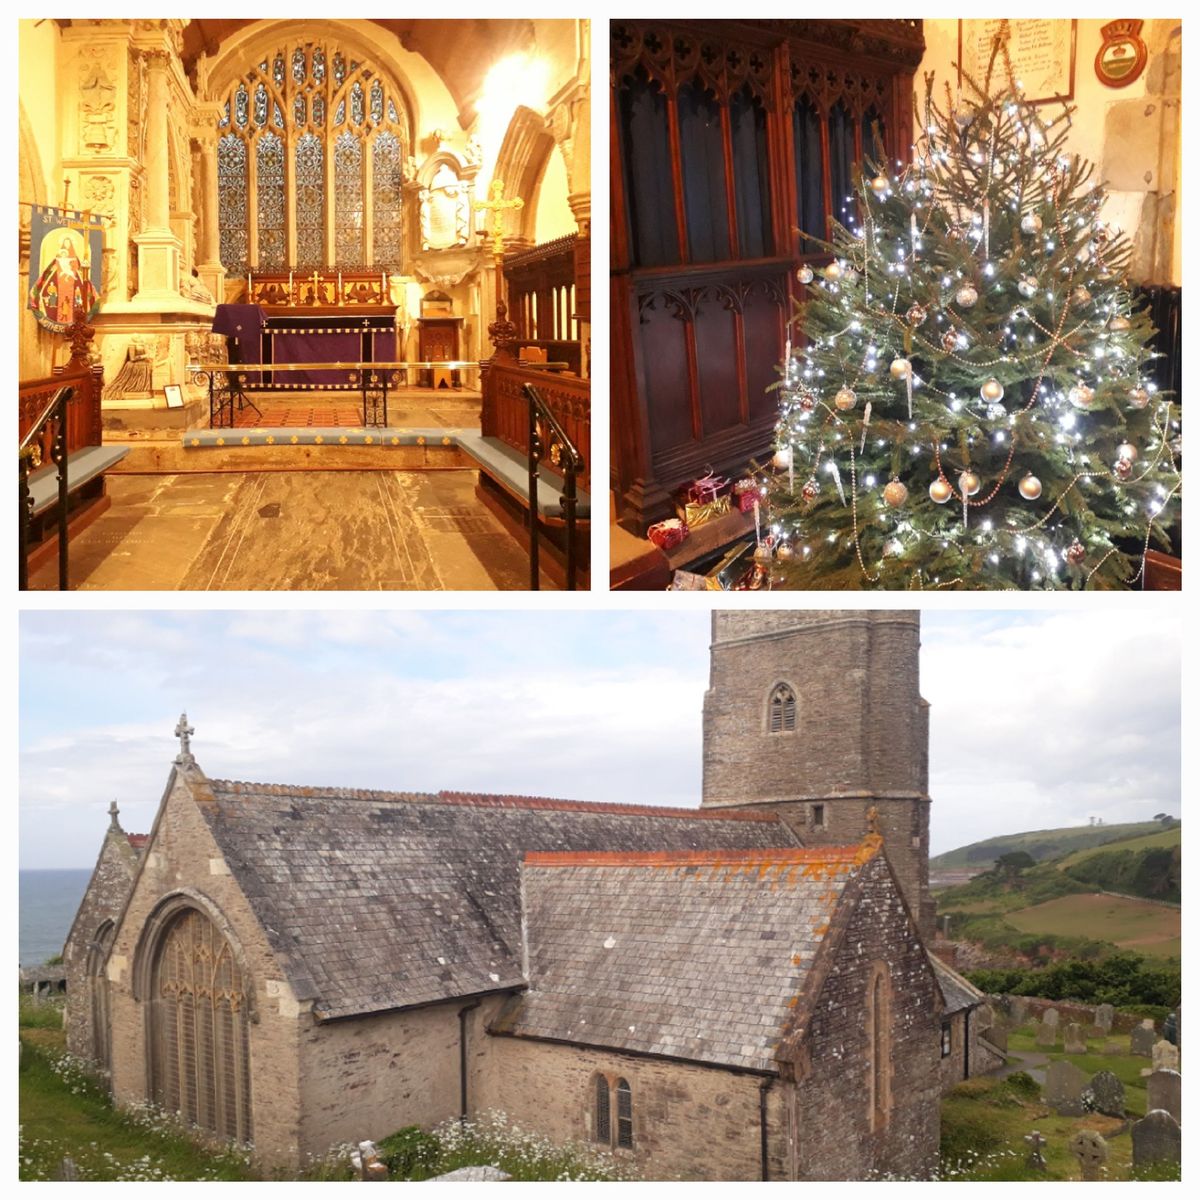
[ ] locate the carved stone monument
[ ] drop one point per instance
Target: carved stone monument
(1091, 1152)
(1107, 1094)
(1156, 1139)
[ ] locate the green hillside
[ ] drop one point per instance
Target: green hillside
(1150, 841)
(1043, 844)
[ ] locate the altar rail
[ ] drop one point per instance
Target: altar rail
(505, 410)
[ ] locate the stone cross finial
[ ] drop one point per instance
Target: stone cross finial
(113, 813)
(183, 731)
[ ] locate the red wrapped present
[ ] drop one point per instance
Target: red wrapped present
(745, 495)
(706, 489)
(666, 535)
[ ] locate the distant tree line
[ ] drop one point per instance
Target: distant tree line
(1154, 873)
(1124, 980)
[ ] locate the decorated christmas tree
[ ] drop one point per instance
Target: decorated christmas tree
(970, 404)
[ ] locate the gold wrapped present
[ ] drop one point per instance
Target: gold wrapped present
(695, 515)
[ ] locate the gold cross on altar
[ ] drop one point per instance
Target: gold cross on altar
(496, 206)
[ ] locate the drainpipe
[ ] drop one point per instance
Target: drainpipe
(967, 1043)
(763, 1088)
(462, 1055)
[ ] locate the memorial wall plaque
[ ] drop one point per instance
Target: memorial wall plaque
(1042, 55)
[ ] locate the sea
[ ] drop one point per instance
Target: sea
(48, 901)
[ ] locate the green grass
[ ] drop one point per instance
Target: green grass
(1165, 837)
(984, 1124)
(1104, 1054)
(1042, 843)
(1128, 923)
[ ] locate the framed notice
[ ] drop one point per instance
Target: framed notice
(174, 395)
(1042, 55)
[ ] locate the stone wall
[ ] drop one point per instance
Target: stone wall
(835, 1139)
(101, 903)
(689, 1121)
(861, 738)
(368, 1077)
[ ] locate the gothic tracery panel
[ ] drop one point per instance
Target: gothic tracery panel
(231, 202)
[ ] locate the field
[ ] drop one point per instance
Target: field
(1042, 843)
(1151, 841)
(1152, 929)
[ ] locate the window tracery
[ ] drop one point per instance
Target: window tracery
(781, 710)
(293, 184)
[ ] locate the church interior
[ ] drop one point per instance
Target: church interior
(304, 303)
(735, 151)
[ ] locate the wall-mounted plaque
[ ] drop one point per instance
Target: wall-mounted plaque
(1122, 54)
(1042, 55)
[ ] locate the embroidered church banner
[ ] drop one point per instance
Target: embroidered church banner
(66, 251)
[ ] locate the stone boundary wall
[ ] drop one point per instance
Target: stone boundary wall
(1083, 1014)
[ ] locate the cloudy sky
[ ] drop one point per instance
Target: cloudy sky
(1038, 719)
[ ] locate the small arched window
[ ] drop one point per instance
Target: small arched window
(602, 1130)
(97, 962)
(781, 710)
(624, 1115)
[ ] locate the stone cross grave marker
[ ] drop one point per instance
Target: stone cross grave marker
(1107, 1094)
(1164, 1056)
(1036, 1161)
(1091, 1152)
(1073, 1040)
(1064, 1088)
(1163, 1090)
(1142, 1039)
(1156, 1139)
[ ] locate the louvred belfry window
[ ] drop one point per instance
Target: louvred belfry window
(781, 715)
(199, 1033)
(310, 158)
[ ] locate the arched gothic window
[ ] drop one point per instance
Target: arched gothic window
(310, 160)
(199, 1038)
(624, 1115)
(602, 1127)
(879, 1041)
(97, 977)
(781, 710)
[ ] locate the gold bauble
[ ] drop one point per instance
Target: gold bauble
(1127, 451)
(968, 483)
(782, 459)
(845, 398)
(1138, 397)
(1030, 487)
(805, 274)
(1031, 223)
(895, 493)
(1081, 295)
(966, 296)
(992, 390)
(1123, 468)
(901, 368)
(880, 184)
(1028, 287)
(834, 270)
(1081, 396)
(940, 491)
(1119, 324)
(785, 553)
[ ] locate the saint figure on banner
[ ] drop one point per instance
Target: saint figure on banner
(63, 293)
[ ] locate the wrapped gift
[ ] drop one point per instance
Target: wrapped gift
(706, 489)
(745, 495)
(666, 535)
(694, 514)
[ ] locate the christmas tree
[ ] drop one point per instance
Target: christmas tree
(971, 406)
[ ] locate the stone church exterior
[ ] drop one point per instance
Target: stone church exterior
(741, 991)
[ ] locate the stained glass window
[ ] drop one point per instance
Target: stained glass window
(348, 200)
(282, 110)
(231, 202)
(272, 229)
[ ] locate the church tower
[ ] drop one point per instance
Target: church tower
(817, 715)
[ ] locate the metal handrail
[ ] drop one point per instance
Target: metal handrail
(572, 465)
(58, 456)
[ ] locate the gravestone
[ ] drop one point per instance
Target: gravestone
(1104, 1018)
(1073, 1040)
(1047, 1035)
(1091, 1152)
(1050, 1017)
(1107, 1094)
(1063, 1090)
(1142, 1039)
(1163, 1091)
(1164, 1056)
(1036, 1161)
(1018, 1009)
(1156, 1139)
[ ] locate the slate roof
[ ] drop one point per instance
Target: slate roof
(699, 955)
(380, 900)
(957, 991)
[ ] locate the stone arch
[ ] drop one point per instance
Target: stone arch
(878, 1060)
(197, 998)
(96, 973)
(521, 163)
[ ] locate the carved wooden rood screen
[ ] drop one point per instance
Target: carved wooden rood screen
(199, 1040)
(733, 144)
